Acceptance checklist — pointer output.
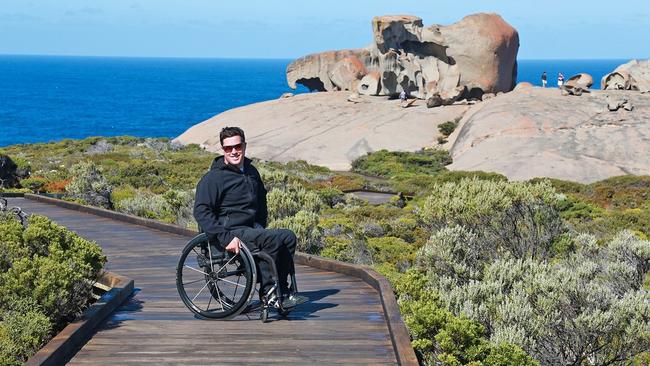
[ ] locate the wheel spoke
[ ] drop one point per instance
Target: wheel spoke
(195, 281)
(231, 282)
(201, 290)
(227, 263)
(209, 302)
(197, 270)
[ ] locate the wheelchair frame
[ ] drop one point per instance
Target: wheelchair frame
(207, 274)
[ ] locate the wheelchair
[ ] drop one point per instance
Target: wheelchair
(216, 284)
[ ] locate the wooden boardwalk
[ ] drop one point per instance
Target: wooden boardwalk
(343, 323)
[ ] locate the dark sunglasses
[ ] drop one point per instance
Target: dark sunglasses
(238, 147)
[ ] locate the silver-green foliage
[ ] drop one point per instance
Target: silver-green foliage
(144, 204)
(296, 208)
(173, 206)
(490, 258)
(88, 185)
(514, 217)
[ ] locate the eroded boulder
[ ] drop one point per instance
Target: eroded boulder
(634, 75)
(582, 80)
(572, 89)
(370, 84)
(478, 53)
(313, 71)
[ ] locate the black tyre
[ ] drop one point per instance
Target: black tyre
(214, 285)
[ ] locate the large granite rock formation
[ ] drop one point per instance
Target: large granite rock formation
(535, 132)
(477, 54)
(634, 75)
(325, 128)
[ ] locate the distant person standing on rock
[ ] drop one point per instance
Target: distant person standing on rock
(544, 79)
(560, 79)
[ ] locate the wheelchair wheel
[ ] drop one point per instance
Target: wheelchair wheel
(214, 284)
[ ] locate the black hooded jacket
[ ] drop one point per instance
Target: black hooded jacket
(227, 199)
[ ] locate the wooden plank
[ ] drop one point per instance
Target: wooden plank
(344, 323)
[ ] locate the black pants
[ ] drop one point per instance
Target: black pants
(280, 244)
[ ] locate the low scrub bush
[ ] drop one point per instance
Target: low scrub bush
(305, 225)
(21, 335)
(501, 257)
(89, 186)
(34, 184)
(439, 336)
(447, 128)
(385, 163)
(515, 217)
(284, 202)
(46, 277)
(297, 209)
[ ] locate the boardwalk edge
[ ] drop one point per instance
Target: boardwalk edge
(400, 337)
(64, 345)
(399, 333)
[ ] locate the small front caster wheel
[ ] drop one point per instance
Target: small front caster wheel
(264, 315)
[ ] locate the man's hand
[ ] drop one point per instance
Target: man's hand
(234, 245)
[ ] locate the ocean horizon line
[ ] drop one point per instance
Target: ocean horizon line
(267, 58)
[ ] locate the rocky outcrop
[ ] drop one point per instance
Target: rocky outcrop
(10, 175)
(535, 132)
(634, 75)
(328, 129)
(477, 54)
(314, 71)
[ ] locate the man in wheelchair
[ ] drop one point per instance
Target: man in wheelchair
(230, 207)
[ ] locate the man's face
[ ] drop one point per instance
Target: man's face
(234, 150)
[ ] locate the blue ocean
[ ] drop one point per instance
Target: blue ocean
(49, 98)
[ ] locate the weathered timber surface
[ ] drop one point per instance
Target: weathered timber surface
(343, 323)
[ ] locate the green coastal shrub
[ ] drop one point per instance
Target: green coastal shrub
(180, 204)
(339, 248)
(21, 335)
(175, 207)
(305, 225)
(331, 196)
(440, 337)
(89, 186)
(297, 209)
(384, 163)
(34, 184)
(284, 202)
(588, 305)
(516, 217)
(145, 204)
(46, 277)
(389, 249)
(447, 128)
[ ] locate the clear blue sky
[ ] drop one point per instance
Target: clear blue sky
(548, 29)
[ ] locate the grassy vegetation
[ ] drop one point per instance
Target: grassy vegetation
(460, 254)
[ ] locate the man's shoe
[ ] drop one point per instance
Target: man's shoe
(293, 300)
